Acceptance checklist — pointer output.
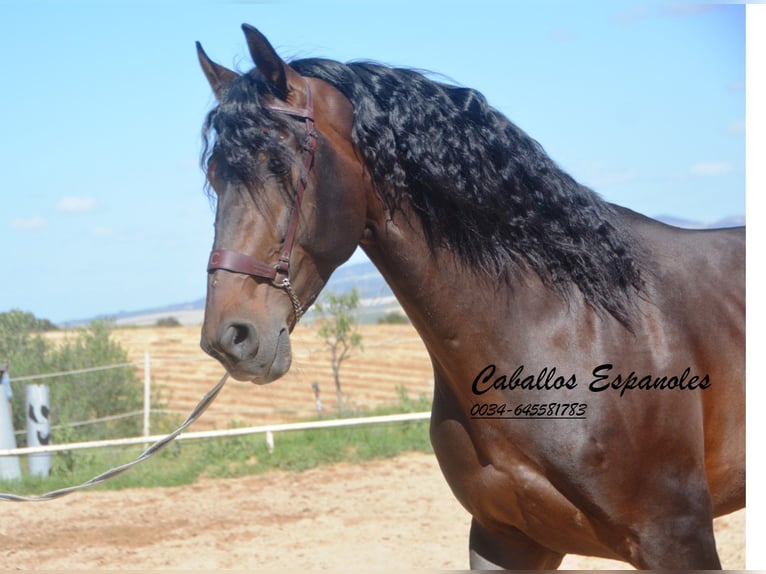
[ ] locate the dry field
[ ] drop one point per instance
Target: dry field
(392, 355)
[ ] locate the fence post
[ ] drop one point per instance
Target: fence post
(147, 392)
(317, 400)
(38, 428)
(10, 468)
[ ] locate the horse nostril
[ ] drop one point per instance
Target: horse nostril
(240, 334)
(239, 341)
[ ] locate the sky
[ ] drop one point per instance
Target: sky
(101, 107)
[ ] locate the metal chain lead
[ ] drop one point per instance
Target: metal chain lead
(297, 307)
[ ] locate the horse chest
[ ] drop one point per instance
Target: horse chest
(504, 490)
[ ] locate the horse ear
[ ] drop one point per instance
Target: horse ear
(219, 77)
(268, 62)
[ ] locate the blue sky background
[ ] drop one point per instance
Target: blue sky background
(101, 106)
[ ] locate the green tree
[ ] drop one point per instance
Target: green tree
(393, 318)
(22, 345)
(338, 328)
(73, 397)
(96, 394)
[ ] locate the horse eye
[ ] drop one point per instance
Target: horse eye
(278, 166)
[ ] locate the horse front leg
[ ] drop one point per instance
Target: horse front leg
(509, 550)
(680, 543)
(673, 526)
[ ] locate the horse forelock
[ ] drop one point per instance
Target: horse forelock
(241, 131)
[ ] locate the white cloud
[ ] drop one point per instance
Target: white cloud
(629, 16)
(736, 128)
(682, 9)
(102, 232)
(688, 8)
(29, 223)
(563, 36)
(737, 86)
(596, 174)
(710, 168)
(73, 204)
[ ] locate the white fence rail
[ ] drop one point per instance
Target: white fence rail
(74, 372)
(328, 423)
(269, 430)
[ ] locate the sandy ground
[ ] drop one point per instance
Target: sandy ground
(390, 514)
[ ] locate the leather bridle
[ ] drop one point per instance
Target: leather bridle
(239, 262)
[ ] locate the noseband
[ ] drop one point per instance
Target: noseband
(239, 262)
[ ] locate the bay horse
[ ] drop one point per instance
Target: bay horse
(588, 361)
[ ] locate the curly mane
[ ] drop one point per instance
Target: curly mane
(477, 183)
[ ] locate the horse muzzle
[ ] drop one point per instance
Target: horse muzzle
(246, 354)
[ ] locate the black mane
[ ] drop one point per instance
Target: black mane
(478, 184)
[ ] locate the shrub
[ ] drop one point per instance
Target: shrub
(393, 318)
(73, 397)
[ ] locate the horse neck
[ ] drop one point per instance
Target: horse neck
(460, 313)
(418, 279)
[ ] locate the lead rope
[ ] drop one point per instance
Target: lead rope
(151, 451)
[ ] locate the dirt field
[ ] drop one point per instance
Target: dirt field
(393, 514)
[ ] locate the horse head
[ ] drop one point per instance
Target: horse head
(290, 206)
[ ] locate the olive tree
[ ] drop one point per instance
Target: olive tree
(338, 328)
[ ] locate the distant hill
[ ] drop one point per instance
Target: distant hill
(731, 221)
(376, 296)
